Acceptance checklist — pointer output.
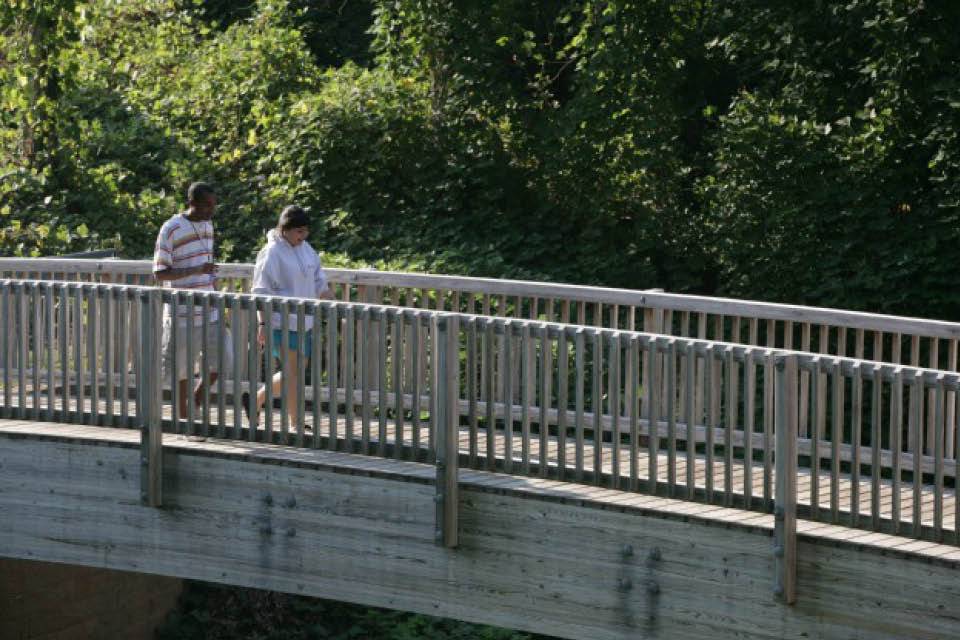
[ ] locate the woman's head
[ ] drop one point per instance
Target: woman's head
(294, 224)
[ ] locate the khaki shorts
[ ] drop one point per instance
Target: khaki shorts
(214, 347)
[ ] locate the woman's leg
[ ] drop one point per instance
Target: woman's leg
(290, 385)
(277, 382)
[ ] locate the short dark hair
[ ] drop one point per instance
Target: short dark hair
(293, 217)
(198, 190)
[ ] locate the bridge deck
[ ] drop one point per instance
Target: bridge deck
(738, 474)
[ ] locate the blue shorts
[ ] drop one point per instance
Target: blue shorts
(293, 342)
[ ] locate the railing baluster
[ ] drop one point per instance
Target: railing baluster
(749, 418)
(415, 387)
(301, 400)
(285, 369)
(527, 373)
(933, 358)
(546, 368)
(691, 420)
(316, 373)
(188, 390)
(50, 332)
(580, 375)
(222, 346)
(38, 336)
(471, 365)
(670, 367)
(896, 446)
(23, 341)
(382, 388)
(364, 375)
(653, 418)
(731, 419)
(507, 391)
(938, 429)
(78, 354)
(397, 355)
(633, 379)
(597, 405)
(109, 335)
(7, 344)
(836, 438)
(804, 424)
(816, 399)
(332, 317)
(563, 401)
(856, 425)
(916, 435)
(253, 365)
(711, 380)
(348, 378)
(63, 330)
(432, 364)
(239, 360)
(614, 408)
(489, 390)
(205, 364)
(950, 417)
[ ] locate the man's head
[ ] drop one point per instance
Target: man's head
(202, 200)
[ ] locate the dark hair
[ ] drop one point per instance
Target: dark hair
(198, 190)
(293, 217)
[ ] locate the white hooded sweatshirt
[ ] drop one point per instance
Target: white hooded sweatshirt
(285, 270)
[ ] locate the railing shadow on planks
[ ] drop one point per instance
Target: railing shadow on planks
(676, 416)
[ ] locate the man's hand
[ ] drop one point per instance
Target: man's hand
(262, 335)
(209, 267)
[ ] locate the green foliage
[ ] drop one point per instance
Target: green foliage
(787, 151)
(836, 171)
(211, 612)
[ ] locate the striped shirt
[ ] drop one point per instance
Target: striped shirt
(183, 243)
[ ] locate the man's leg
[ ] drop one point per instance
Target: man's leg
(182, 393)
(217, 342)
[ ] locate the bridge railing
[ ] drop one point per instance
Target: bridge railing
(672, 416)
(863, 336)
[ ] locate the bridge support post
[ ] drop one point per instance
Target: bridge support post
(785, 490)
(446, 424)
(151, 427)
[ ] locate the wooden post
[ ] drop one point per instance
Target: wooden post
(445, 423)
(785, 491)
(151, 434)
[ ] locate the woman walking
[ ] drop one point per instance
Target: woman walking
(287, 266)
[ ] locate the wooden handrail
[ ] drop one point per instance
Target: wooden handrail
(653, 299)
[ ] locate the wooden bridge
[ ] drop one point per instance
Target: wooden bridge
(573, 461)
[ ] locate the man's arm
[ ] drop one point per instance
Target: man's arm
(164, 275)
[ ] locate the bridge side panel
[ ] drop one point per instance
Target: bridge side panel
(361, 530)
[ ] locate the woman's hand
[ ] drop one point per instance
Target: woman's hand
(262, 335)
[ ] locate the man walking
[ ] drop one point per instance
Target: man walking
(183, 259)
